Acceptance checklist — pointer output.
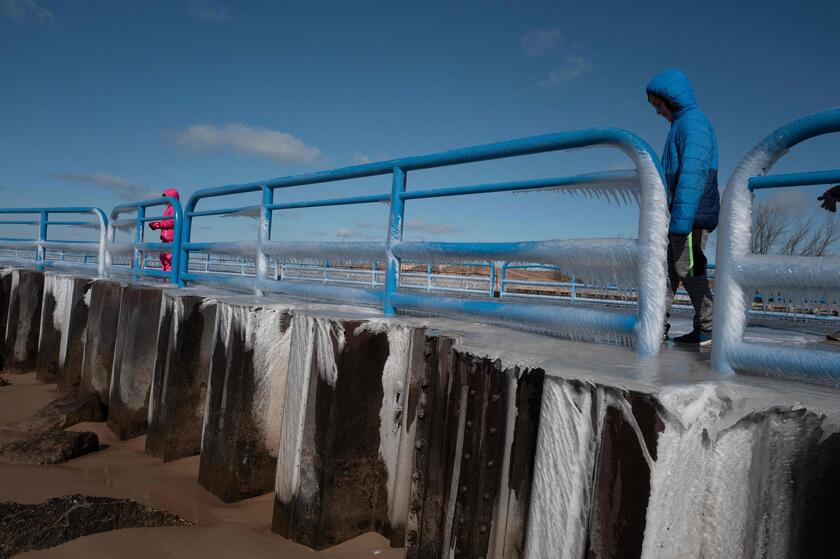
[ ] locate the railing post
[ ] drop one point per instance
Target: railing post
(264, 236)
(493, 292)
(573, 292)
(41, 253)
(502, 279)
(429, 277)
(395, 231)
(175, 271)
(107, 236)
(186, 227)
(139, 258)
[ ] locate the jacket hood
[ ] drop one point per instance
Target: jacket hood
(172, 193)
(673, 86)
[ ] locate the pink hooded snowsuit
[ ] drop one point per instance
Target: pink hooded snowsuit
(167, 229)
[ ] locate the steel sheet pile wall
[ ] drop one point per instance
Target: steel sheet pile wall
(179, 385)
(245, 396)
(61, 342)
(101, 338)
(20, 347)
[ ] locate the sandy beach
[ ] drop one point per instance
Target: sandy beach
(122, 470)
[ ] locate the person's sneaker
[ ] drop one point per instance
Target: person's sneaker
(833, 337)
(695, 337)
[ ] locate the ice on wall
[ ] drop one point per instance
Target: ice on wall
(321, 339)
(394, 439)
(726, 480)
(61, 288)
(569, 430)
(267, 334)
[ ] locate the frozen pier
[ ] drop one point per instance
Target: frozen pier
(459, 439)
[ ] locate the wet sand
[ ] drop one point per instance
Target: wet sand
(123, 470)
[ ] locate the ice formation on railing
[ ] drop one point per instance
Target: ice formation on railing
(739, 272)
(620, 193)
(601, 261)
(631, 264)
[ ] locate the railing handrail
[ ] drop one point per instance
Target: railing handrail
(42, 242)
(737, 265)
(138, 247)
(648, 252)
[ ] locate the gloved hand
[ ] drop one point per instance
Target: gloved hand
(154, 225)
(678, 256)
(830, 198)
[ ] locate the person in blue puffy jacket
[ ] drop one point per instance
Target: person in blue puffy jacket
(690, 162)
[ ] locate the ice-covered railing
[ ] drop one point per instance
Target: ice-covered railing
(46, 253)
(740, 273)
(638, 263)
(134, 253)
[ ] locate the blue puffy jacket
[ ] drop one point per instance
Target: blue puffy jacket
(690, 157)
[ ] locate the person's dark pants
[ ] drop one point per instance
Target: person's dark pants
(687, 265)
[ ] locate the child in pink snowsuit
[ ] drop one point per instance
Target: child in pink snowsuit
(167, 230)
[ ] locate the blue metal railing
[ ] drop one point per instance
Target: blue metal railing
(138, 249)
(740, 272)
(642, 257)
(42, 243)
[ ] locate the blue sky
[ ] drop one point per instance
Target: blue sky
(102, 102)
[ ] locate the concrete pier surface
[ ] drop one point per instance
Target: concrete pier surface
(452, 438)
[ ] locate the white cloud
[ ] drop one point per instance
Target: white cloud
(361, 158)
(211, 11)
(568, 60)
(345, 233)
(251, 140)
(574, 65)
(539, 42)
(123, 187)
(430, 228)
(18, 10)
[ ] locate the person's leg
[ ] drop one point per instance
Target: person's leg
(166, 261)
(671, 291)
(697, 284)
(688, 260)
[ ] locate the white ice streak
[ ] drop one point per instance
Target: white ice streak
(266, 333)
(295, 437)
(699, 484)
(570, 426)
(395, 441)
(622, 195)
(314, 342)
(61, 288)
